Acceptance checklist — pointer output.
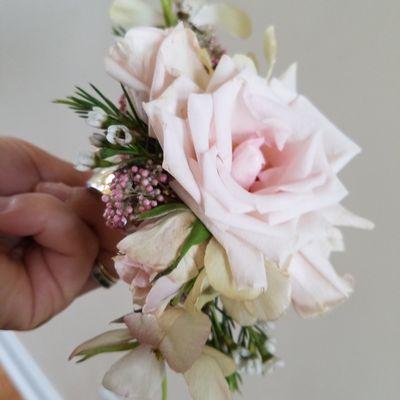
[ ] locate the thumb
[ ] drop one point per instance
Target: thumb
(89, 207)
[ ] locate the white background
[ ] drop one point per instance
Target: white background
(349, 54)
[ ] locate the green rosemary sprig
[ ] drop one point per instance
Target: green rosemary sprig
(82, 102)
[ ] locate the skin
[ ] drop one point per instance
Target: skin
(51, 235)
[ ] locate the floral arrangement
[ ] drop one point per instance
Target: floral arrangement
(226, 184)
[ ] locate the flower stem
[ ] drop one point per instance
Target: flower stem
(169, 15)
(164, 388)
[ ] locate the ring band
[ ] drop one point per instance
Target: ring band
(103, 276)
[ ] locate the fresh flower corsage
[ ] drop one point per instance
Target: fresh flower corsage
(226, 184)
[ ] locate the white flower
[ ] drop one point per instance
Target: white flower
(272, 365)
(119, 134)
(85, 161)
(97, 139)
(96, 117)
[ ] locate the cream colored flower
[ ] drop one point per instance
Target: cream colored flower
(206, 378)
(178, 334)
(131, 13)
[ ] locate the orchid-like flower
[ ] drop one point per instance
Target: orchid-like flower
(200, 13)
(96, 117)
(119, 134)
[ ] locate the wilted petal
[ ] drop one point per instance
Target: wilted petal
(201, 293)
(136, 376)
(110, 338)
(185, 339)
(130, 13)
(206, 380)
(228, 17)
(145, 328)
(166, 287)
(156, 245)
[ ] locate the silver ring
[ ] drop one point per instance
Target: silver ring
(103, 276)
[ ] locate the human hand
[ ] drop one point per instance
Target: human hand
(51, 233)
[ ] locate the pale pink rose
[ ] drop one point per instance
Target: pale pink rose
(258, 164)
(147, 60)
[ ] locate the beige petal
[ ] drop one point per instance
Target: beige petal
(185, 340)
(240, 311)
(201, 293)
(145, 328)
(206, 380)
(228, 17)
(220, 276)
(110, 338)
(225, 363)
(136, 376)
(156, 245)
(274, 302)
(130, 13)
(268, 306)
(243, 61)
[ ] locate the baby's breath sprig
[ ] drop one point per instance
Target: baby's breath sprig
(249, 346)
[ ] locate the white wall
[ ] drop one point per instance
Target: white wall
(349, 54)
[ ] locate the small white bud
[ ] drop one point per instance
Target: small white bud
(97, 139)
(119, 134)
(85, 161)
(97, 117)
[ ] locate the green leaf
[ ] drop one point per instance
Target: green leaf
(106, 349)
(160, 211)
(169, 15)
(198, 235)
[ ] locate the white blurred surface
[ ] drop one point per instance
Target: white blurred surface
(348, 54)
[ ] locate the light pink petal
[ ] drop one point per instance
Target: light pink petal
(200, 112)
(161, 294)
(176, 154)
(246, 261)
(224, 104)
(248, 161)
(178, 55)
(226, 69)
(316, 287)
(340, 216)
(339, 148)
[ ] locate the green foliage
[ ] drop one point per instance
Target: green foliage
(162, 210)
(106, 349)
(198, 235)
(82, 102)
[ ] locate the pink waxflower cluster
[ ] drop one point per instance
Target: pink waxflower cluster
(134, 190)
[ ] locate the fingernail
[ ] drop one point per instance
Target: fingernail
(4, 203)
(58, 190)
